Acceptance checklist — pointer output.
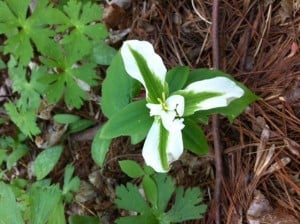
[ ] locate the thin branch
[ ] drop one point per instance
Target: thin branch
(215, 119)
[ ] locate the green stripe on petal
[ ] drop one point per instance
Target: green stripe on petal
(142, 63)
(193, 99)
(210, 93)
(162, 147)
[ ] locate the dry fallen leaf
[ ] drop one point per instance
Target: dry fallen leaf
(115, 17)
(121, 3)
(261, 212)
(52, 135)
(293, 146)
(45, 109)
(277, 166)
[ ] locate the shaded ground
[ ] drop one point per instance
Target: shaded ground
(259, 47)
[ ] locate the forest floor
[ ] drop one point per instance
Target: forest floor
(259, 46)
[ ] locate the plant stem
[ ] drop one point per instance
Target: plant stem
(215, 118)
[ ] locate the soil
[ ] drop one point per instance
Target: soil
(259, 46)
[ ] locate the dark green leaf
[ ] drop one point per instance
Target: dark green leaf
(132, 119)
(117, 88)
(194, 138)
(177, 77)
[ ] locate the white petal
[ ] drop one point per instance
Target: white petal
(229, 90)
(153, 60)
(176, 102)
(175, 145)
(155, 109)
(170, 122)
(151, 151)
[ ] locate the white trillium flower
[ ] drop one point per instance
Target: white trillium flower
(164, 143)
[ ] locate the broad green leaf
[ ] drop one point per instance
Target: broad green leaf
(66, 118)
(187, 205)
(103, 54)
(24, 119)
(193, 137)
(236, 107)
(77, 219)
(150, 189)
(132, 119)
(9, 211)
(43, 201)
(118, 88)
(177, 77)
(80, 125)
(46, 161)
(129, 197)
(131, 168)
(100, 147)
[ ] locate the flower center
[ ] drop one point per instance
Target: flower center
(163, 103)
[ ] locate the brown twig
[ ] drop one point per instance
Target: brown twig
(215, 119)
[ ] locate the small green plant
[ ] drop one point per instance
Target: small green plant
(53, 52)
(159, 190)
(176, 101)
(11, 151)
(37, 203)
